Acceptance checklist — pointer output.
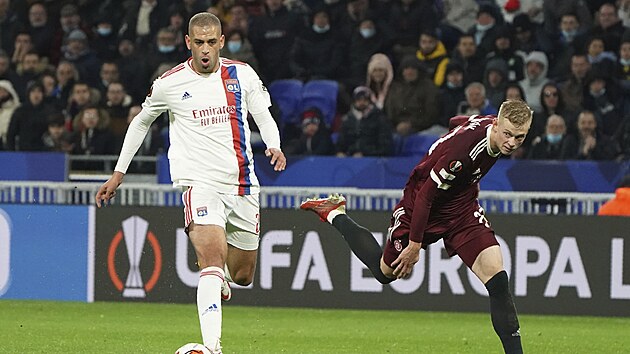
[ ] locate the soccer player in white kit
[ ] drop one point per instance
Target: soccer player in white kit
(210, 157)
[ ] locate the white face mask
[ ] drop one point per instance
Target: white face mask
(452, 85)
(624, 62)
(318, 29)
(367, 32)
(483, 28)
(569, 34)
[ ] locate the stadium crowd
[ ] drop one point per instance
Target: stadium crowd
(74, 73)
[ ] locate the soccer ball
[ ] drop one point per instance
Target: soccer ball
(193, 348)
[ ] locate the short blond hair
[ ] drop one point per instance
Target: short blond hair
(516, 112)
(203, 19)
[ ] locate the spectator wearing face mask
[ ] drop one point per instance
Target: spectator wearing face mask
(105, 41)
(367, 40)
(164, 50)
(78, 52)
(485, 29)
(364, 130)
(451, 92)
(603, 97)
(554, 143)
(69, 20)
(317, 52)
(238, 47)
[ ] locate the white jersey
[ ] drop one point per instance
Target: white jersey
(209, 132)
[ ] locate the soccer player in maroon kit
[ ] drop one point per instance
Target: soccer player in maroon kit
(440, 202)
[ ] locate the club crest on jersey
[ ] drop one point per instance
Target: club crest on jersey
(455, 166)
(232, 85)
(203, 211)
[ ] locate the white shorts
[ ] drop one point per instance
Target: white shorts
(238, 215)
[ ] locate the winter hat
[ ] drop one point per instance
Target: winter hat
(77, 35)
(361, 92)
(522, 23)
(454, 66)
(311, 115)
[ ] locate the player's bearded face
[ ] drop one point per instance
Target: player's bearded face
(205, 43)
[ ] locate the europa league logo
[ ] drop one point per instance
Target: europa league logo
(135, 231)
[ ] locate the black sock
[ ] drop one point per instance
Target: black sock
(362, 244)
(503, 313)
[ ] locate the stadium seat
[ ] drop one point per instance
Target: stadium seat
(287, 94)
(417, 144)
(323, 95)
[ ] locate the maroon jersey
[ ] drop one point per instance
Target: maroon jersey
(445, 184)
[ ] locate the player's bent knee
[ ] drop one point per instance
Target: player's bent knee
(387, 270)
(243, 277)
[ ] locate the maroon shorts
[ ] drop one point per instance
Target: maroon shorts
(466, 238)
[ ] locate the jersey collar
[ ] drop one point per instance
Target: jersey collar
(189, 63)
(489, 147)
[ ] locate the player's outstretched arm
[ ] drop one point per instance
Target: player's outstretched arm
(108, 189)
(277, 158)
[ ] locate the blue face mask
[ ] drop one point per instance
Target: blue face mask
(367, 32)
(554, 138)
(452, 85)
(166, 48)
(624, 62)
(234, 46)
(104, 31)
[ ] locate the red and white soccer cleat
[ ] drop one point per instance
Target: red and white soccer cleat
(323, 206)
(226, 291)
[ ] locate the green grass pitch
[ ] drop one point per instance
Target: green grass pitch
(70, 327)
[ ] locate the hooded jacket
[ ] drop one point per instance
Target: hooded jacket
(435, 63)
(7, 108)
(496, 95)
(532, 86)
(379, 91)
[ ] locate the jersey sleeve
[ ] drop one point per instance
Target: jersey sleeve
(442, 177)
(154, 105)
(258, 103)
(457, 120)
(258, 99)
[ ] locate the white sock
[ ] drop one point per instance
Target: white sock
(332, 215)
(209, 306)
